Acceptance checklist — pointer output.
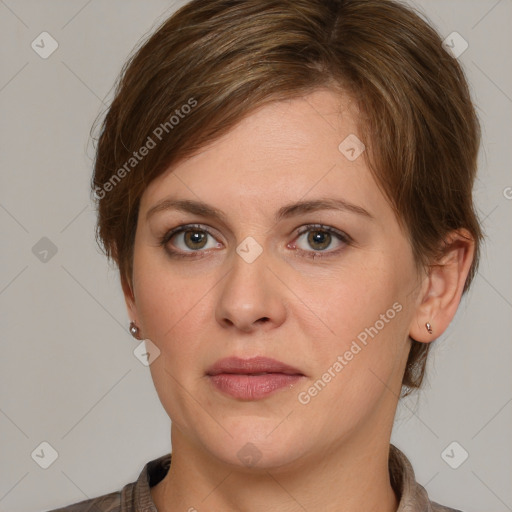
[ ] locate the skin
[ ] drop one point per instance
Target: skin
(331, 453)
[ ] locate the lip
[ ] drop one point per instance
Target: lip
(258, 364)
(252, 379)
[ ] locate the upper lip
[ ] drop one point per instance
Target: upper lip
(253, 365)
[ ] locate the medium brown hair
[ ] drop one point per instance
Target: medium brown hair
(215, 61)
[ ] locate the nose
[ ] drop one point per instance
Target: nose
(251, 296)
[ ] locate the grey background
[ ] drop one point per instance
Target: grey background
(68, 375)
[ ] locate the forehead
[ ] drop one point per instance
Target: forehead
(280, 152)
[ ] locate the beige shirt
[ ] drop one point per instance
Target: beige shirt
(136, 496)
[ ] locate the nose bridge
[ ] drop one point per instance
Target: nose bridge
(250, 293)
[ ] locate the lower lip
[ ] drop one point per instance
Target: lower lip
(252, 387)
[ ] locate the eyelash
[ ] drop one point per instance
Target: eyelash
(342, 237)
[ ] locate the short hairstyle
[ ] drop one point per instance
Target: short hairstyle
(214, 62)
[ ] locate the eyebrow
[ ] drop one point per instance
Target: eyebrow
(287, 211)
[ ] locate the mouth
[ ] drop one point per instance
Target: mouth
(252, 379)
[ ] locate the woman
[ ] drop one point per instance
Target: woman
(286, 188)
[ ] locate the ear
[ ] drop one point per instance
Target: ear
(443, 286)
(129, 298)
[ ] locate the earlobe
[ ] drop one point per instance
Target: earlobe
(443, 287)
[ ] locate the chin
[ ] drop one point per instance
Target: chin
(257, 445)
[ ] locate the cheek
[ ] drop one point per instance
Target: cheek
(174, 312)
(364, 325)
(357, 369)
(164, 299)
(170, 312)
(342, 305)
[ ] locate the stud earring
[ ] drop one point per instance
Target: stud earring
(134, 330)
(429, 328)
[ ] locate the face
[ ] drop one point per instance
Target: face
(279, 292)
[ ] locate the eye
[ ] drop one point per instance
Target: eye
(193, 241)
(320, 238)
(188, 239)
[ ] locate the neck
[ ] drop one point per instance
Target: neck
(350, 477)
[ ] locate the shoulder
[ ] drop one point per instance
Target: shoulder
(132, 497)
(412, 496)
(106, 503)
